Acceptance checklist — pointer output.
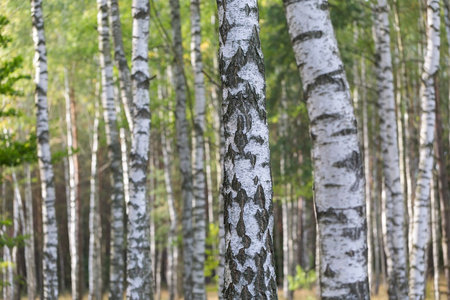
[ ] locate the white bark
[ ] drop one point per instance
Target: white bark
(420, 234)
(18, 221)
(209, 185)
(199, 206)
(338, 166)
(121, 61)
(395, 222)
(247, 186)
(50, 229)
(435, 237)
(72, 210)
(172, 249)
(109, 114)
(183, 148)
(139, 265)
(95, 230)
(29, 243)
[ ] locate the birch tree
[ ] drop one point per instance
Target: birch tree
(179, 82)
(73, 216)
(121, 61)
(95, 230)
(338, 169)
(247, 186)
(139, 265)
(29, 231)
(199, 228)
(435, 238)
(395, 223)
(420, 233)
(114, 155)
(50, 229)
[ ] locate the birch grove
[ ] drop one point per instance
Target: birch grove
(291, 149)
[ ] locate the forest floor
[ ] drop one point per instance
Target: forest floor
(298, 295)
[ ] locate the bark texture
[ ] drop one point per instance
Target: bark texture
(29, 242)
(95, 230)
(420, 233)
(247, 186)
(121, 61)
(435, 238)
(116, 287)
(199, 206)
(181, 124)
(338, 166)
(50, 229)
(395, 210)
(139, 265)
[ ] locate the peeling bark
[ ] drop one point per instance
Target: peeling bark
(50, 229)
(338, 166)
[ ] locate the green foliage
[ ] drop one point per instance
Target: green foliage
(212, 251)
(303, 279)
(13, 153)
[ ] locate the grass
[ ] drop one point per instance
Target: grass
(299, 294)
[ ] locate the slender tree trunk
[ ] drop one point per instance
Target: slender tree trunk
(29, 242)
(158, 275)
(417, 280)
(395, 222)
(443, 183)
(121, 61)
(184, 153)
(338, 166)
(18, 222)
(139, 265)
(50, 229)
(95, 230)
(199, 210)
(247, 186)
(116, 286)
(124, 155)
(435, 237)
(73, 194)
(172, 249)
(209, 184)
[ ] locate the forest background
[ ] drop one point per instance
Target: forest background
(74, 73)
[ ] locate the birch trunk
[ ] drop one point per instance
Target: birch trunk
(50, 229)
(73, 195)
(121, 61)
(18, 221)
(199, 210)
(395, 222)
(367, 174)
(95, 232)
(29, 242)
(247, 185)
(443, 185)
(172, 249)
(184, 153)
(209, 184)
(116, 288)
(338, 166)
(139, 265)
(417, 280)
(435, 238)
